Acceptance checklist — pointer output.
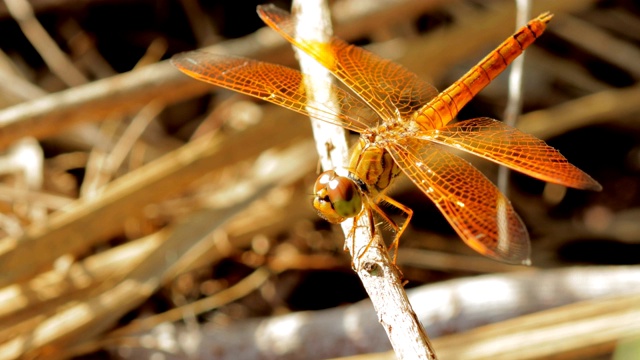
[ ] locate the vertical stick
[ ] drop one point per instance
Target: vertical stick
(371, 261)
(514, 103)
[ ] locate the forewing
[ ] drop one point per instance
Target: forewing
(511, 147)
(276, 84)
(390, 89)
(480, 214)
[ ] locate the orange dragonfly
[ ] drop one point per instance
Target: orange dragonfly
(405, 127)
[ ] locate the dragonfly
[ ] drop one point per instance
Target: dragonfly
(405, 126)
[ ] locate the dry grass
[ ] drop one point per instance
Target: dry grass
(135, 200)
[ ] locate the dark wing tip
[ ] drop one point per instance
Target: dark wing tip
(594, 186)
(184, 58)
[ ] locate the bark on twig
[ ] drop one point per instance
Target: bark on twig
(371, 260)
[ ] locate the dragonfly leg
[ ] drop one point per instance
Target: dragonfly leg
(372, 230)
(398, 229)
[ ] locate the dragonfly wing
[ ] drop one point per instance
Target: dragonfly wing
(276, 84)
(480, 214)
(390, 89)
(511, 147)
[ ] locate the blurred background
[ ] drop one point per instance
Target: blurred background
(147, 214)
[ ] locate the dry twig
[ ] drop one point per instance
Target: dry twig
(371, 261)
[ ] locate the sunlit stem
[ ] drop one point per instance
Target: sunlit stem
(331, 141)
(514, 102)
(315, 25)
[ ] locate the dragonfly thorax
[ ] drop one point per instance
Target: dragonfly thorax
(372, 164)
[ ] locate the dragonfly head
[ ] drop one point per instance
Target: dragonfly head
(336, 198)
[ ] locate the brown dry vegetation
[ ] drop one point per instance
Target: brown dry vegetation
(144, 212)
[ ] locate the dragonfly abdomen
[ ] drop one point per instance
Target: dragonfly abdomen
(445, 107)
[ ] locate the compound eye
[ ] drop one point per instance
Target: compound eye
(336, 197)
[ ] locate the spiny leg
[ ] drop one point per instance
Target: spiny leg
(372, 230)
(398, 229)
